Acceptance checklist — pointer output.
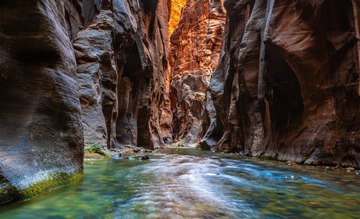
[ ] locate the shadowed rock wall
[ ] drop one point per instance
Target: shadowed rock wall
(41, 140)
(287, 85)
(65, 65)
(122, 69)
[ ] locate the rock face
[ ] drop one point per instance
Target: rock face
(175, 14)
(287, 85)
(194, 53)
(122, 68)
(101, 65)
(97, 75)
(41, 140)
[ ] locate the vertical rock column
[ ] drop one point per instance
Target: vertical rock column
(97, 76)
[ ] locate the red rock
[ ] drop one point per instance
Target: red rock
(194, 53)
(287, 85)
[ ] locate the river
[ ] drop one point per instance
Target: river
(187, 183)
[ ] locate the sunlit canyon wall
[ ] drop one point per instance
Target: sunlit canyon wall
(287, 85)
(175, 14)
(194, 53)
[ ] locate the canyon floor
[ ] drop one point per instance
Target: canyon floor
(188, 183)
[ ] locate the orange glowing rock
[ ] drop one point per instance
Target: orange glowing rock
(175, 14)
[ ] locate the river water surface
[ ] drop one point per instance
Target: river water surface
(184, 183)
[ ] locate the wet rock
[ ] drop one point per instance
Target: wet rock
(289, 163)
(350, 169)
(328, 168)
(41, 139)
(100, 65)
(287, 85)
(96, 152)
(138, 157)
(145, 157)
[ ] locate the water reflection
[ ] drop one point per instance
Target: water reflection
(195, 184)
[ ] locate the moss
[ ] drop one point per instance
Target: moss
(96, 149)
(11, 194)
(54, 181)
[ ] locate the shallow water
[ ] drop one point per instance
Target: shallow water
(184, 183)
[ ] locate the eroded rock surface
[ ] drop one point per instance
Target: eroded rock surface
(41, 140)
(72, 64)
(287, 85)
(194, 54)
(122, 67)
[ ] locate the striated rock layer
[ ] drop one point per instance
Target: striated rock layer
(287, 85)
(194, 54)
(41, 140)
(122, 70)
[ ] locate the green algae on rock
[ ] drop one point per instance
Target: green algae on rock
(96, 152)
(52, 181)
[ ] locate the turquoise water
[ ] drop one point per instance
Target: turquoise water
(194, 184)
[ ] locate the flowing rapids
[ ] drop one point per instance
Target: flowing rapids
(183, 183)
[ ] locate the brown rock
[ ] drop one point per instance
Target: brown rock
(122, 68)
(194, 52)
(287, 85)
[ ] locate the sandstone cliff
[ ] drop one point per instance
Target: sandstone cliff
(287, 85)
(194, 54)
(65, 65)
(175, 14)
(122, 67)
(41, 140)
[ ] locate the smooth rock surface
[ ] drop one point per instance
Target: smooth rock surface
(287, 85)
(41, 139)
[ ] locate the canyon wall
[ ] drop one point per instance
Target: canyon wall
(72, 71)
(194, 54)
(175, 14)
(287, 85)
(41, 139)
(122, 66)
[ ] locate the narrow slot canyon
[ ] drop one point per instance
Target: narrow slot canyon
(179, 109)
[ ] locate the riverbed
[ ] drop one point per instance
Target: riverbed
(188, 183)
